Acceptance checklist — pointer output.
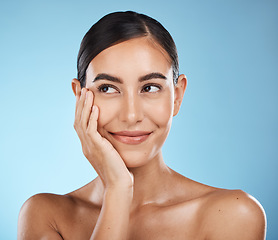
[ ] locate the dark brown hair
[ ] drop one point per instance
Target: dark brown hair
(119, 27)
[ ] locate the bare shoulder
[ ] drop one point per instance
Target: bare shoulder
(45, 204)
(52, 216)
(233, 214)
(37, 217)
(218, 214)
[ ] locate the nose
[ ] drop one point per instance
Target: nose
(132, 109)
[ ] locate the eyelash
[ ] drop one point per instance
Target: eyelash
(151, 85)
(102, 86)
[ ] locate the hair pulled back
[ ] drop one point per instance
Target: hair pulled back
(118, 27)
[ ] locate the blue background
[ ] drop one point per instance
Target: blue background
(225, 134)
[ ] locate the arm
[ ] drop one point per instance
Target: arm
(36, 219)
(114, 217)
(118, 181)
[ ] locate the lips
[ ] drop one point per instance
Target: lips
(131, 137)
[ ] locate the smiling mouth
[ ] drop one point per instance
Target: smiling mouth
(131, 137)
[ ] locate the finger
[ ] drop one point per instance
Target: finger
(80, 105)
(92, 125)
(77, 97)
(78, 94)
(87, 109)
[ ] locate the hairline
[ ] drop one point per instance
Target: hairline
(151, 39)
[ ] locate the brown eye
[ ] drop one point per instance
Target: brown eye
(107, 89)
(151, 88)
(104, 89)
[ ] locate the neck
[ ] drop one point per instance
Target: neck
(150, 182)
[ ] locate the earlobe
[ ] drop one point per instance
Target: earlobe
(179, 92)
(76, 87)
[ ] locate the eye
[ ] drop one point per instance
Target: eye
(107, 88)
(151, 88)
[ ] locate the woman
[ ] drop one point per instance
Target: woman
(127, 91)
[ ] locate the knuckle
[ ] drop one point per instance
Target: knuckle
(85, 152)
(76, 126)
(91, 134)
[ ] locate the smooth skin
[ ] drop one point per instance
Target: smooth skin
(122, 118)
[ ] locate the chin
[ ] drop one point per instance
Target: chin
(135, 159)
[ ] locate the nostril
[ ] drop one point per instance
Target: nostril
(131, 110)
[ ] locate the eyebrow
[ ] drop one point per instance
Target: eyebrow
(105, 76)
(152, 76)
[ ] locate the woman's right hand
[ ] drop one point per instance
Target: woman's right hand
(99, 151)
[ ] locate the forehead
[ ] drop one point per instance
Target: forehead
(137, 56)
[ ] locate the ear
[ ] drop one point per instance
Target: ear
(179, 92)
(76, 87)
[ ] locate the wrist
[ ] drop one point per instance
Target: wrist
(120, 192)
(119, 188)
(120, 184)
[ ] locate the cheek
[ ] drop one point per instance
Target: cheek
(107, 110)
(161, 111)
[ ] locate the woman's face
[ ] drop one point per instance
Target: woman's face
(133, 87)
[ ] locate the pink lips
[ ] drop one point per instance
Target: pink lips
(131, 137)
